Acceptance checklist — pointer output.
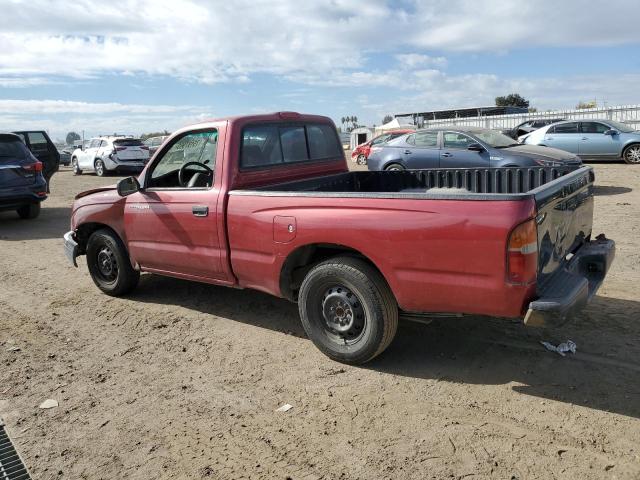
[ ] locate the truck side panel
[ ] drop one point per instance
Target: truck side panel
(436, 255)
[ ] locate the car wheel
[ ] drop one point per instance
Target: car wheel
(361, 160)
(394, 167)
(348, 310)
(75, 166)
(631, 154)
(109, 264)
(99, 167)
(29, 211)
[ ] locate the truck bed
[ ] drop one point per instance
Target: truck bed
(454, 183)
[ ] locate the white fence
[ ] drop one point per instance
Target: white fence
(629, 114)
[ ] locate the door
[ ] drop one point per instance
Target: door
(172, 223)
(88, 155)
(455, 152)
(422, 150)
(594, 143)
(565, 136)
(44, 150)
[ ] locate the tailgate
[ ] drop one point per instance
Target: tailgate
(564, 219)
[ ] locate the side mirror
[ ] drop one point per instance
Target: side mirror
(476, 147)
(127, 186)
(611, 132)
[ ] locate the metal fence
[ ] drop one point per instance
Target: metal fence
(629, 114)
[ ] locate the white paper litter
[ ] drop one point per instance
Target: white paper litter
(284, 408)
(49, 403)
(562, 349)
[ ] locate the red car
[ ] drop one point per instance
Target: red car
(267, 202)
(361, 152)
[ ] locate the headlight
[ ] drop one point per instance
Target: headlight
(548, 163)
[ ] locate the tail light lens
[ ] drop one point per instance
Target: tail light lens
(522, 253)
(33, 167)
(144, 147)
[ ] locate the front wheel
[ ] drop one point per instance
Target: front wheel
(109, 264)
(75, 166)
(28, 212)
(348, 310)
(394, 167)
(361, 160)
(99, 167)
(631, 154)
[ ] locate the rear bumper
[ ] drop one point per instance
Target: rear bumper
(71, 248)
(573, 286)
(16, 201)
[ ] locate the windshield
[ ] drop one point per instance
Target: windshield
(621, 127)
(13, 149)
(493, 138)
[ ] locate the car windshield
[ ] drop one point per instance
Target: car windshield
(12, 149)
(493, 138)
(621, 127)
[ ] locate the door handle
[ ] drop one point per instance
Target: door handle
(447, 154)
(200, 210)
(407, 152)
(585, 138)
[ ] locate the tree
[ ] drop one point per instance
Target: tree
(512, 100)
(585, 105)
(144, 136)
(387, 118)
(72, 137)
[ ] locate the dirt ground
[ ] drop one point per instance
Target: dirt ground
(181, 380)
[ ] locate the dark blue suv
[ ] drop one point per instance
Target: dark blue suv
(22, 184)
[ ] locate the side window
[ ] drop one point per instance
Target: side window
(380, 139)
(571, 127)
(594, 127)
(94, 143)
(199, 147)
(426, 139)
(22, 137)
(37, 140)
(411, 139)
(456, 140)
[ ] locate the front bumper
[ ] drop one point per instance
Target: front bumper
(71, 248)
(573, 286)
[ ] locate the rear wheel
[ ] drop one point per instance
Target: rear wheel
(109, 264)
(631, 154)
(348, 310)
(99, 167)
(30, 211)
(394, 167)
(75, 166)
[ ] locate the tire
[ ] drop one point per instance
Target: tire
(30, 211)
(98, 165)
(109, 264)
(349, 290)
(394, 167)
(361, 160)
(631, 154)
(75, 166)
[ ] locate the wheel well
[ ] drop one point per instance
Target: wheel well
(634, 144)
(393, 162)
(303, 259)
(84, 231)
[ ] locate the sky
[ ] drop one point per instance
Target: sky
(136, 66)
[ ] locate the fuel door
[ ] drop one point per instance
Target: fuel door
(284, 229)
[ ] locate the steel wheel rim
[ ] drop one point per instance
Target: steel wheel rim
(633, 154)
(343, 315)
(107, 264)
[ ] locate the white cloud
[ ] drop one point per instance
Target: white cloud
(412, 60)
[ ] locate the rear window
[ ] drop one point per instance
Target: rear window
(12, 148)
(274, 144)
(128, 142)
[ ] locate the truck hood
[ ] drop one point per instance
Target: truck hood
(536, 151)
(95, 190)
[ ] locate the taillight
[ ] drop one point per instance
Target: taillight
(33, 167)
(144, 148)
(522, 253)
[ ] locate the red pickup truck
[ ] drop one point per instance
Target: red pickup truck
(267, 202)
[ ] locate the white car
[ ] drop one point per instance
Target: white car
(110, 154)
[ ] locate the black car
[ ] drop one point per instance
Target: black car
(22, 183)
(43, 149)
(464, 147)
(529, 126)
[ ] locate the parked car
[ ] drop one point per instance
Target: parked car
(463, 147)
(591, 139)
(39, 143)
(267, 202)
(154, 143)
(110, 154)
(361, 152)
(65, 154)
(22, 183)
(529, 126)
